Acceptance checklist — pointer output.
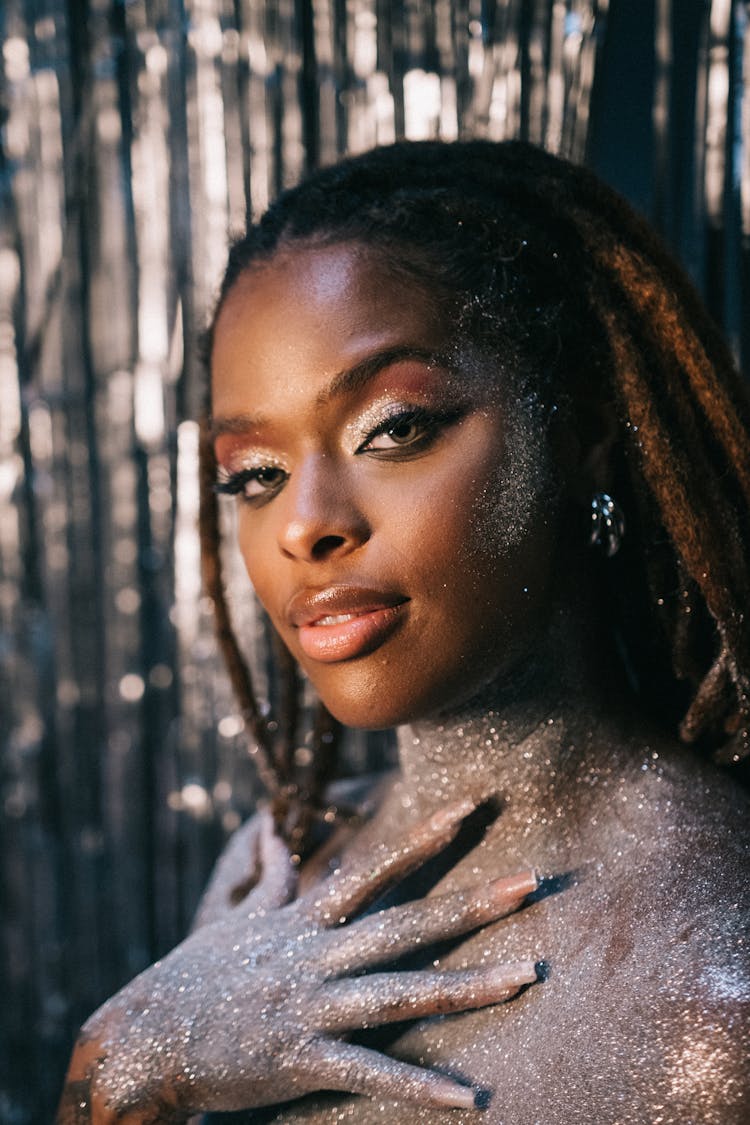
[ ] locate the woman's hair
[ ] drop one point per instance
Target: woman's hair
(537, 259)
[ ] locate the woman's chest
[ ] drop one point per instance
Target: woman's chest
(563, 1051)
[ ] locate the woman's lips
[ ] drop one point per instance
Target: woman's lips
(340, 623)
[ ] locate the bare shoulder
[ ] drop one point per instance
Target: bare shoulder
(673, 939)
(646, 1012)
(237, 868)
(234, 874)
(676, 842)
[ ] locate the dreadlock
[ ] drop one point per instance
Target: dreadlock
(535, 255)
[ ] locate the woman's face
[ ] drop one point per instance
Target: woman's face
(390, 482)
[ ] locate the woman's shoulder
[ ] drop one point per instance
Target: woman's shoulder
(667, 872)
(686, 815)
(643, 921)
(234, 874)
(643, 924)
(651, 957)
(692, 842)
(237, 867)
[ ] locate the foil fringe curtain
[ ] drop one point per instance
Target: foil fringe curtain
(136, 138)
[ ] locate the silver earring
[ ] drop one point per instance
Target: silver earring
(607, 524)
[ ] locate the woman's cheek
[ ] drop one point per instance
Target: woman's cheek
(518, 495)
(255, 555)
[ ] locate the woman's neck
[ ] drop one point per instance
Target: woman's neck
(525, 736)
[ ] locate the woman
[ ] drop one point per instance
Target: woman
(493, 472)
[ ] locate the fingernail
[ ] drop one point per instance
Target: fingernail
(513, 974)
(451, 814)
(514, 886)
(455, 1096)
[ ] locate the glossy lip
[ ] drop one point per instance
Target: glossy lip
(369, 618)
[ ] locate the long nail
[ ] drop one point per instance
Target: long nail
(512, 974)
(452, 814)
(512, 888)
(451, 1094)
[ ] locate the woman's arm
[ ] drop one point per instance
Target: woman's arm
(250, 1009)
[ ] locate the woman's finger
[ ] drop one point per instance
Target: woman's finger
(333, 1065)
(390, 997)
(390, 933)
(353, 886)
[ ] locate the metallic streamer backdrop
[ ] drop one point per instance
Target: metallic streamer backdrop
(137, 135)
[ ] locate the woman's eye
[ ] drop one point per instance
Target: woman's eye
(253, 484)
(402, 432)
(410, 430)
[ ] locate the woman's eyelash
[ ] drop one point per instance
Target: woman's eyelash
(426, 422)
(266, 477)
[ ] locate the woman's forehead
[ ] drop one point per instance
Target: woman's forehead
(316, 275)
(319, 310)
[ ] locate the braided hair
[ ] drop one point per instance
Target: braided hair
(535, 254)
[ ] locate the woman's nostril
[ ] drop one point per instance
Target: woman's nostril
(326, 545)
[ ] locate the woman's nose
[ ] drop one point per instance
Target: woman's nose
(320, 516)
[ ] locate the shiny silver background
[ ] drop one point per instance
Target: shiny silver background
(136, 137)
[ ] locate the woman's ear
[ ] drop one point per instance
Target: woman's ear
(595, 469)
(583, 447)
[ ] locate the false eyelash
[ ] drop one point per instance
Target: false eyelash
(431, 420)
(232, 486)
(235, 484)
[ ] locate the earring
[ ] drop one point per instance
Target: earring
(607, 524)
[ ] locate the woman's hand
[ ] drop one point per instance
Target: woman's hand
(249, 1010)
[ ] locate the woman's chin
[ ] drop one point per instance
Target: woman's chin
(371, 706)
(362, 715)
(381, 707)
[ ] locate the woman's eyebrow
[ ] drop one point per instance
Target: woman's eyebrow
(342, 383)
(356, 377)
(234, 424)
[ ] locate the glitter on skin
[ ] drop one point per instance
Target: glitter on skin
(644, 893)
(650, 921)
(295, 958)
